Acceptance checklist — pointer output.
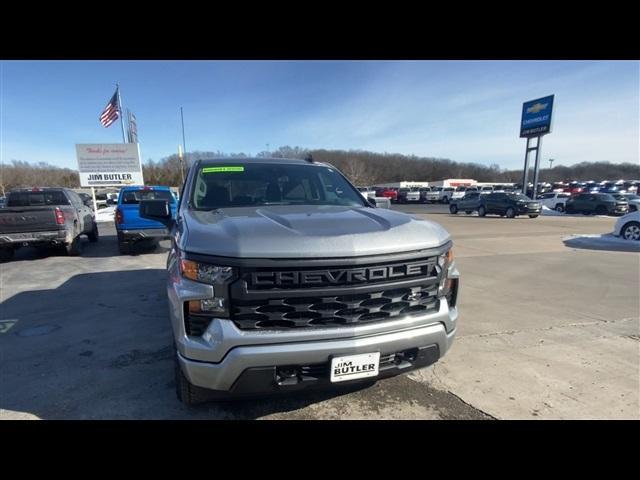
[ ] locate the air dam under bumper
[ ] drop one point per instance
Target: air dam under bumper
(253, 368)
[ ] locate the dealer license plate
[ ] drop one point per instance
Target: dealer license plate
(352, 367)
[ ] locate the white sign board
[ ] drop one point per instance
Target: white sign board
(109, 164)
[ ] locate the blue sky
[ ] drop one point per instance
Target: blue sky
(463, 110)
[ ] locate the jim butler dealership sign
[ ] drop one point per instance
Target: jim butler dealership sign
(109, 164)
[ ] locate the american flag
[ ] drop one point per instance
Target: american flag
(111, 112)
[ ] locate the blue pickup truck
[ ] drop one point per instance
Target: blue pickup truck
(130, 227)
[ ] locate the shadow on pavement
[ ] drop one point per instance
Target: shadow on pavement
(99, 346)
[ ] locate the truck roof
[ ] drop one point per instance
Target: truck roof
(140, 187)
(263, 160)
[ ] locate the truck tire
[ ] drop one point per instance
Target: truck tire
(453, 208)
(186, 392)
(560, 208)
(7, 253)
(511, 213)
(124, 248)
(93, 234)
(73, 249)
(482, 211)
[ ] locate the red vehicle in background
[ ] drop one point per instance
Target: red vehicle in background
(389, 193)
(574, 189)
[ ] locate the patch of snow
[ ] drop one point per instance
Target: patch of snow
(552, 213)
(604, 241)
(106, 214)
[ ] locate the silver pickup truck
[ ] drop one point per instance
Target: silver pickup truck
(282, 277)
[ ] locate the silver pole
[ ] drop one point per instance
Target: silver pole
(525, 175)
(95, 203)
(124, 140)
(536, 168)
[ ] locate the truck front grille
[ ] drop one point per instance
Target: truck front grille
(334, 311)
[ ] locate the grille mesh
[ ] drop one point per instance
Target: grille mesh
(333, 311)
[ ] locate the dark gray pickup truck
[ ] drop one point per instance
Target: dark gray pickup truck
(45, 217)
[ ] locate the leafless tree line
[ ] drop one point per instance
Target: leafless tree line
(361, 167)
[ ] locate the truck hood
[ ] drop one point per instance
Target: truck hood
(306, 232)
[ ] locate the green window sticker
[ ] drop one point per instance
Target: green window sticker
(222, 169)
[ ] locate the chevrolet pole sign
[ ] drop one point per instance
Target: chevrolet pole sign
(536, 117)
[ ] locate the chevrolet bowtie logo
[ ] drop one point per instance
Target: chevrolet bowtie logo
(537, 107)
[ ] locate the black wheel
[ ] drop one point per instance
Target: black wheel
(482, 211)
(560, 208)
(93, 234)
(186, 392)
(511, 213)
(453, 208)
(601, 210)
(533, 216)
(73, 249)
(124, 248)
(631, 231)
(7, 253)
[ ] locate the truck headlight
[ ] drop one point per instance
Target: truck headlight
(204, 272)
(217, 275)
(444, 261)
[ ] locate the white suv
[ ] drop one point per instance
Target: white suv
(554, 200)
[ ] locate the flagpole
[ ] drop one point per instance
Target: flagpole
(184, 146)
(124, 140)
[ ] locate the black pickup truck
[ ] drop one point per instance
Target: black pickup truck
(45, 217)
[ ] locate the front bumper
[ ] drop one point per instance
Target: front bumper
(237, 362)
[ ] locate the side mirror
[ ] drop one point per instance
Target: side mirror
(157, 210)
(372, 202)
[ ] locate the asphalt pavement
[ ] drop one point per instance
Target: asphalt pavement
(546, 331)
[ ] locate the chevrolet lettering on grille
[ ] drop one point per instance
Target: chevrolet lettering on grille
(338, 276)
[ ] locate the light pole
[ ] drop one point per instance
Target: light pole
(551, 160)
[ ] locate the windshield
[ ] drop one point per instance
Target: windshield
(519, 196)
(254, 184)
(133, 197)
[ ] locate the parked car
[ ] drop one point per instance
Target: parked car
(509, 205)
(423, 194)
(631, 198)
(45, 217)
(405, 195)
(130, 227)
(390, 193)
(554, 200)
(458, 193)
(486, 189)
(446, 194)
(628, 226)
(281, 286)
(434, 194)
(367, 191)
(596, 203)
(468, 204)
